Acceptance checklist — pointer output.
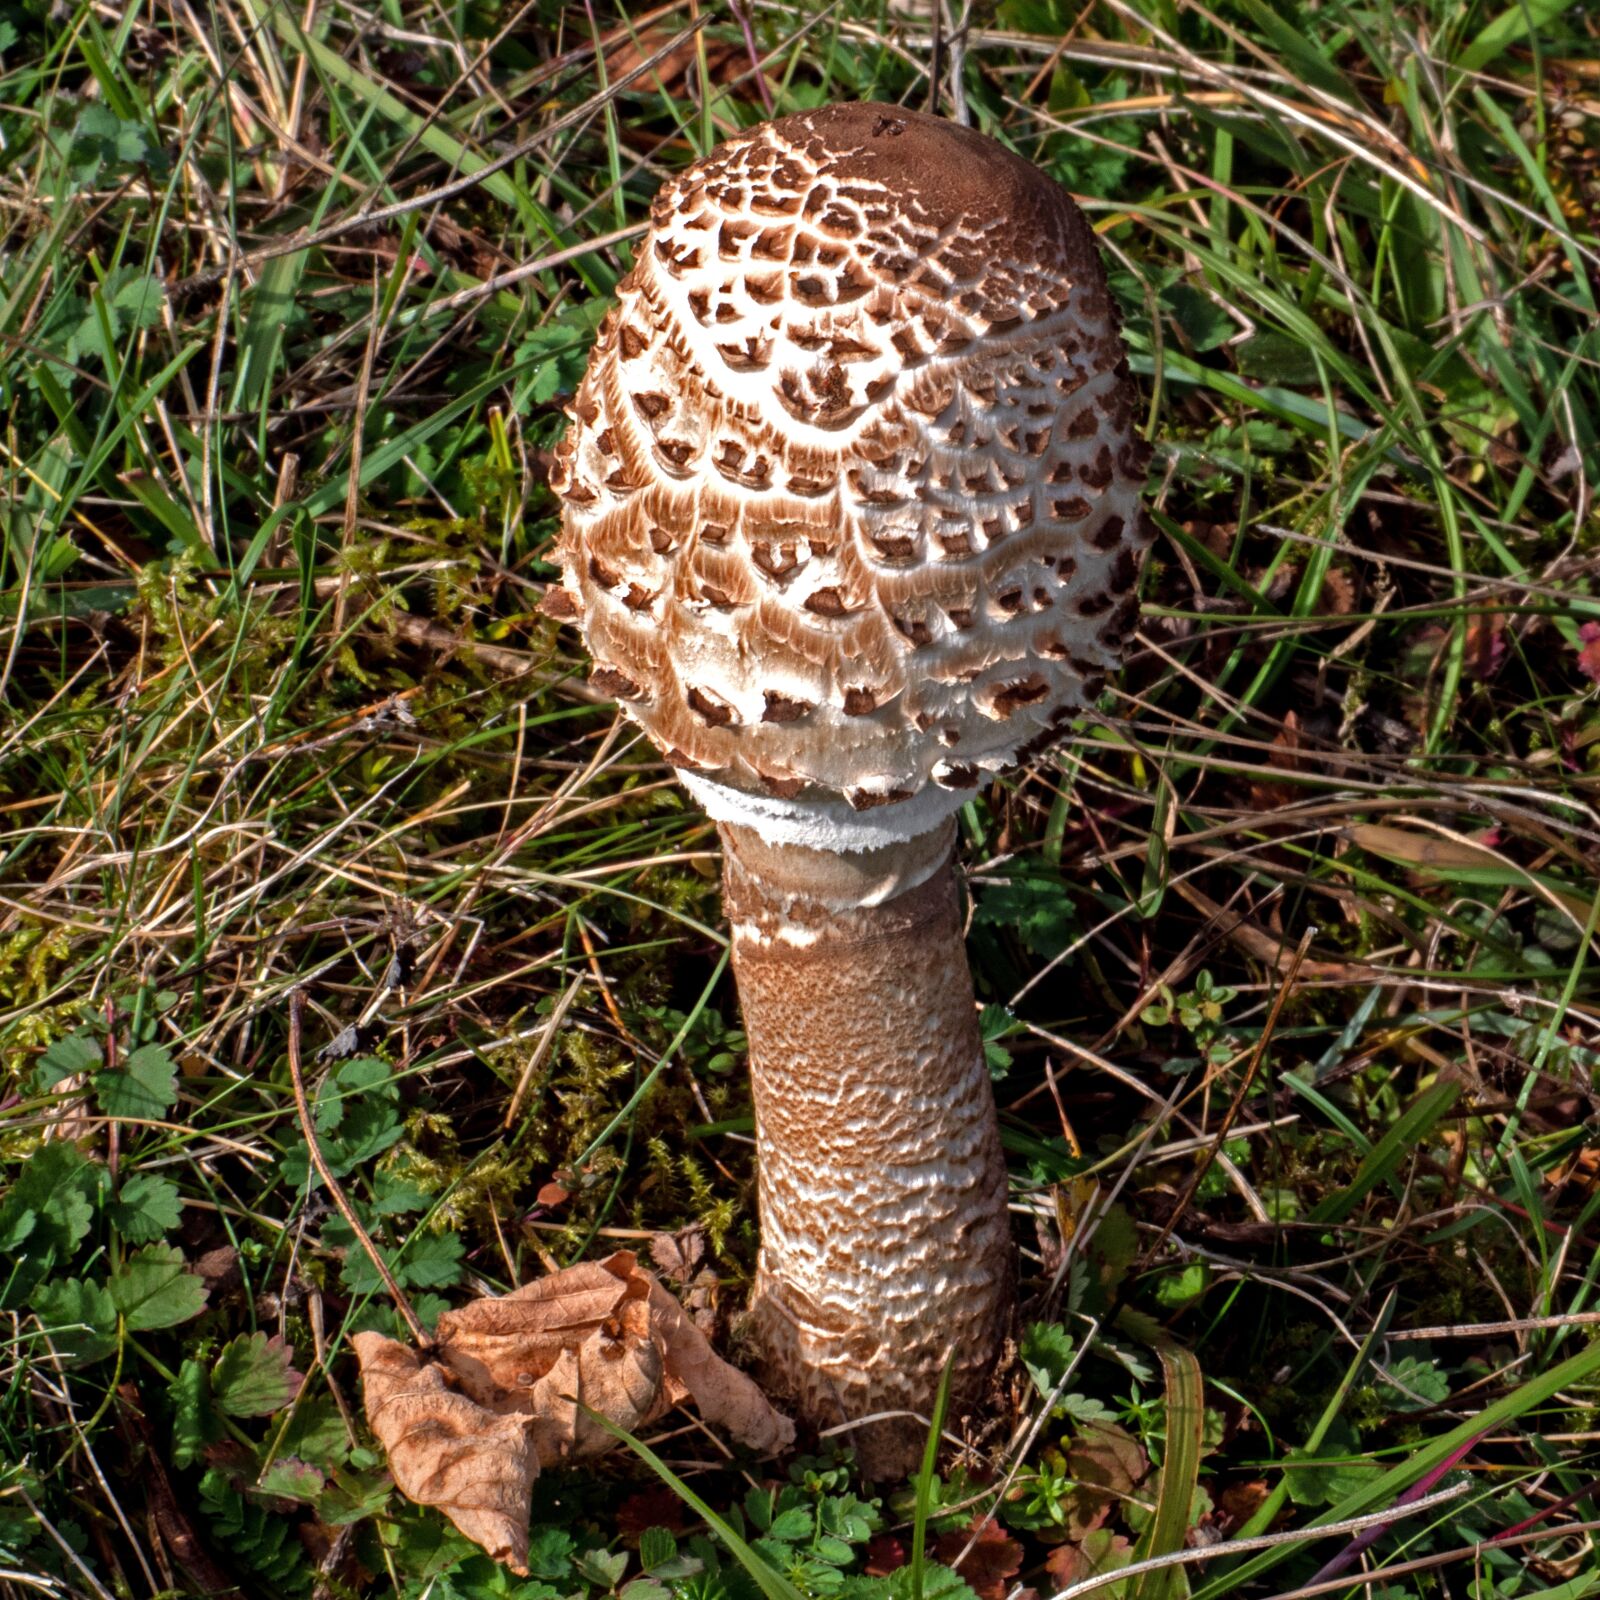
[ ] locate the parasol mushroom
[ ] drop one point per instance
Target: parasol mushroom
(851, 524)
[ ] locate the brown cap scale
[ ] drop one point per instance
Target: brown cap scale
(851, 521)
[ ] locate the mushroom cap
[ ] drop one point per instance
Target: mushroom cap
(851, 491)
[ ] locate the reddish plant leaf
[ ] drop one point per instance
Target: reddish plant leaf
(1107, 1464)
(1589, 652)
(994, 1559)
(885, 1554)
(1100, 1551)
(651, 1508)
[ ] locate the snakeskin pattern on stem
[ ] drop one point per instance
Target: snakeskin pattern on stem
(885, 1243)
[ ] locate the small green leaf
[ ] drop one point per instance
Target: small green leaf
(79, 1318)
(1204, 323)
(1047, 1353)
(1032, 905)
(254, 1376)
(644, 1589)
(937, 1583)
(146, 1208)
(292, 1478)
(425, 1261)
(1275, 358)
(316, 1433)
(153, 1289)
(657, 1546)
(78, 1052)
(1176, 1289)
(393, 1195)
(51, 1205)
(603, 1568)
(1426, 1384)
(350, 1496)
(141, 301)
(550, 1553)
(758, 1507)
(792, 1526)
(145, 1086)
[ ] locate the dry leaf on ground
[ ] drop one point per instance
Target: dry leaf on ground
(469, 1423)
(445, 1452)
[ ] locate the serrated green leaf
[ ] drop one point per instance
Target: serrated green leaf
(426, 1261)
(51, 1205)
(758, 1508)
(1420, 1377)
(79, 1318)
(604, 1568)
(254, 1376)
(316, 1433)
(144, 1086)
(1033, 905)
(393, 1195)
(1046, 1352)
(291, 1478)
(140, 300)
(368, 1075)
(938, 1583)
(78, 1052)
(154, 1289)
(657, 1546)
(366, 1128)
(16, 1223)
(1204, 323)
(644, 1589)
(350, 1496)
(550, 1553)
(792, 1526)
(147, 1207)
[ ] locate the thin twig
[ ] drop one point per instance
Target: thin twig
(297, 1005)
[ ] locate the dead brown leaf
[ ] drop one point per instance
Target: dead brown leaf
(510, 1385)
(444, 1451)
(1238, 1502)
(678, 1256)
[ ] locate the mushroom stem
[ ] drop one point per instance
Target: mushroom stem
(885, 1244)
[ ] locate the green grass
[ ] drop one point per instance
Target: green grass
(1286, 952)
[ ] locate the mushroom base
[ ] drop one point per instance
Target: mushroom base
(885, 1242)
